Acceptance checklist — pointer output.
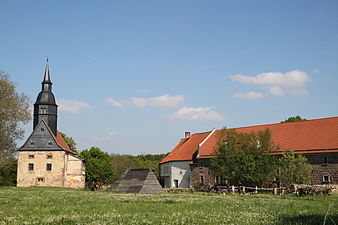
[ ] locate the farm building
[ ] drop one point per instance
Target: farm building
(45, 159)
(187, 165)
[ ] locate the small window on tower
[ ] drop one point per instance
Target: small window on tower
(31, 156)
(325, 161)
(42, 129)
(49, 156)
(43, 110)
(41, 179)
(32, 143)
(50, 143)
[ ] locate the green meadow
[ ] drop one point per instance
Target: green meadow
(40, 205)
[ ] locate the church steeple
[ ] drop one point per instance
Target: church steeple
(45, 107)
(46, 83)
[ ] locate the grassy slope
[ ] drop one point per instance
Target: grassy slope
(66, 206)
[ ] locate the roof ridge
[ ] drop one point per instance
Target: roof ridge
(286, 123)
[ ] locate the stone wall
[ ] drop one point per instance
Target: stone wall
(66, 170)
(39, 176)
(75, 175)
(201, 176)
(319, 170)
(323, 167)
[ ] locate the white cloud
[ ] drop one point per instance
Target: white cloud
(106, 137)
(189, 113)
(113, 102)
(249, 95)
(72, 106)
(164, 101)
(278, 84)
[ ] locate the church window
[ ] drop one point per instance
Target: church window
(30, 166)
(41, 179)
(31, 156)
(42, 129)
(43, 110)
(49, 156)
(49, 167)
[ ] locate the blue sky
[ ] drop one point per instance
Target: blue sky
(132, 76)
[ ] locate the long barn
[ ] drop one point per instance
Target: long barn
(187, 165)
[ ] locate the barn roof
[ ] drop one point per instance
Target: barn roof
(186, 148)
(309, 136)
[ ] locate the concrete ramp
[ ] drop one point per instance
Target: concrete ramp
(142, 181)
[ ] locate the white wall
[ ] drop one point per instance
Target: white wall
(179, 170)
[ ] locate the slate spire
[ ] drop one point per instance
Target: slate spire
(45, 107)
(47, 83)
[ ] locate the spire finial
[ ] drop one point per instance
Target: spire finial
(47, 59)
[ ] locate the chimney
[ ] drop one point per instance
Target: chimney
(187, 134)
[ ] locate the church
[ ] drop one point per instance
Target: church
(45, 159)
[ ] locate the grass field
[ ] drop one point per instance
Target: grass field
(67, 206)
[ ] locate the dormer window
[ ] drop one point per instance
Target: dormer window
(50, 143)
(42, 129)
(32, 143)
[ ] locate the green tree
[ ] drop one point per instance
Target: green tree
(98, 166)
(244, 157)
(70, 142)
(8, 169)
(125, 162)
(294, 169)
(14, 111)
(293, 119)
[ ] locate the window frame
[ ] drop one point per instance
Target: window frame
(49, 167)
(30, 166)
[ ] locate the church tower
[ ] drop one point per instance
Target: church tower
(45, 107)
(45, 159)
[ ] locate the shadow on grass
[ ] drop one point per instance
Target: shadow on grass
(308, 220)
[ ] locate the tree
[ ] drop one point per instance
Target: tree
(70, 142)
(293, 119)
(8, 170)
(99, 167)
(244, 157)
(14, 110)
(125, 162)
(294, 169)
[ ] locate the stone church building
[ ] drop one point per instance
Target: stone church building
(45, 159)
(187, 165)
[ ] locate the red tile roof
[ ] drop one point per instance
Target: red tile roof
(309, 136)
(185, 148)
(62, 143)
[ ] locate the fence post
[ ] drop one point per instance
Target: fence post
(243, 190)
(256, 190)
(233, 189)
(274, 191)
